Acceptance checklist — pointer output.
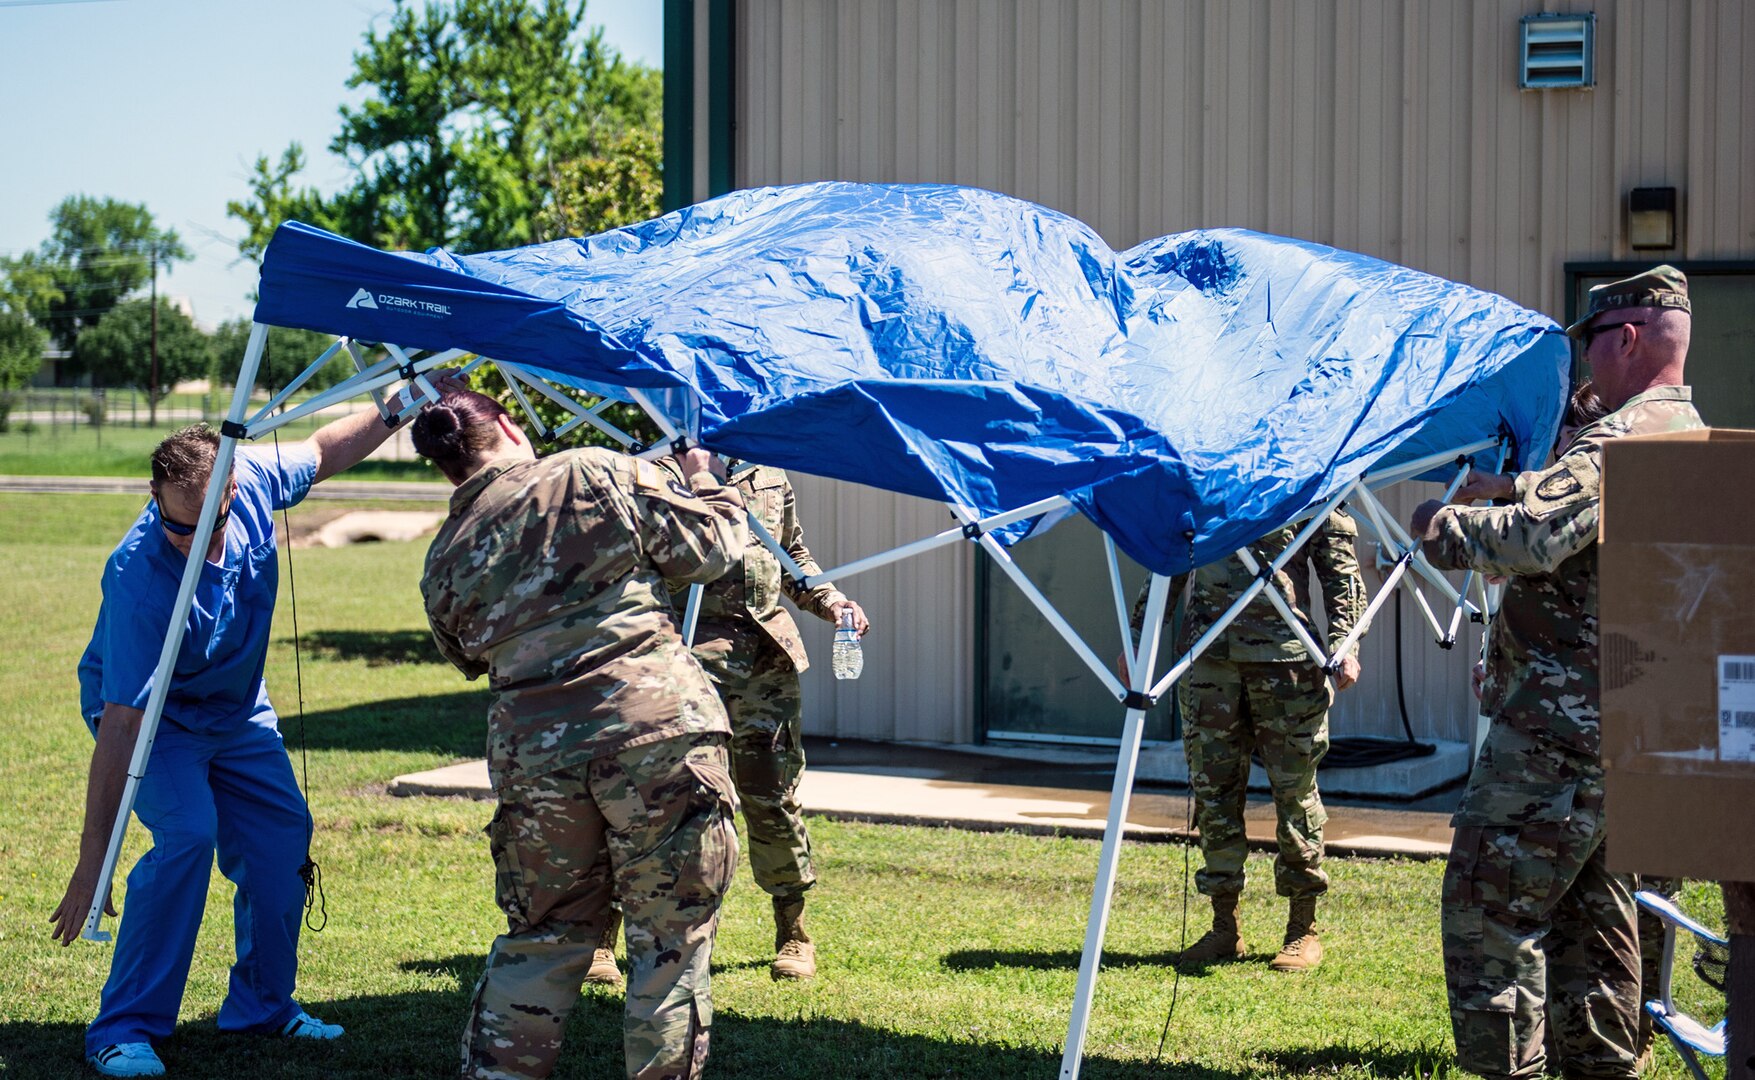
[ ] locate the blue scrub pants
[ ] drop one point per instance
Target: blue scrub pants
(233, 792)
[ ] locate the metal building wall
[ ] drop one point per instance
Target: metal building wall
(1386, 127)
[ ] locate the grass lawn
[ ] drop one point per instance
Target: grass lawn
(943, 953)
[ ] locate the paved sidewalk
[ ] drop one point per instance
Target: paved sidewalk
(975, 788)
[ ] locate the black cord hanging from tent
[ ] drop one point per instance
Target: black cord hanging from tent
(316, 903)
(1187, 839)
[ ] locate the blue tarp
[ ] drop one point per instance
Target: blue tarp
(964, 346)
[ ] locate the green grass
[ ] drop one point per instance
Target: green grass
(943, 954)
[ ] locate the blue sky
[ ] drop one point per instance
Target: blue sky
(168, 103)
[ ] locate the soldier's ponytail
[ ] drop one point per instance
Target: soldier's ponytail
(455, 430)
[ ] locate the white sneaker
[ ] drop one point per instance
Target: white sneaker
(127, 1059)
(306, 1026)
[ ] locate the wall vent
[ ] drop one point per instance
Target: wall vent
(1558, 51)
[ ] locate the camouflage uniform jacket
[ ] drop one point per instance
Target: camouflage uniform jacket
(749, 593)
(1259, 634)
(549, 578)
(1542, 658)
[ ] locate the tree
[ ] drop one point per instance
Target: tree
(118, 350)
(474, 107)
(21, 355)
(274, 199)
(22, 282)
(99, 251)
(621, 186)
(286, 355)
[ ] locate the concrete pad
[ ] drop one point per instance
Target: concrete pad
(468, 778)
(921, 798)
(369, 526)
(1409, 778)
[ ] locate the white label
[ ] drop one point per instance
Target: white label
(1736, 708)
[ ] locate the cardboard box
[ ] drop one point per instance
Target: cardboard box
(1677, 593)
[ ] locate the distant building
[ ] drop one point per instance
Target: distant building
(54, 370)
(1526, 152)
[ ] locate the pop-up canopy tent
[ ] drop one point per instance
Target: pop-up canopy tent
(1188, 396)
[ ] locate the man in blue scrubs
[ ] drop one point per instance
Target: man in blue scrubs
(218, 777)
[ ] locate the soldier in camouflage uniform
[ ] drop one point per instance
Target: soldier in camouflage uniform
(1537, 931)
(1257, 688)
(751, 650)
(606, 742)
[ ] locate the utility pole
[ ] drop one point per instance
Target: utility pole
(152, 383)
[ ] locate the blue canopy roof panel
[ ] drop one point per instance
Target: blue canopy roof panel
(964, 346)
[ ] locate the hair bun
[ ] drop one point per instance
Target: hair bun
(437, 430)
(441, 419)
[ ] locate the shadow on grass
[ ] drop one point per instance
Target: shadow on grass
(378, 648)
(416, 1035)
(1063, 960)
(1424, 1062)
(451, 725)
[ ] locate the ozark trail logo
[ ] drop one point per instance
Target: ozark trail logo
(364, 298)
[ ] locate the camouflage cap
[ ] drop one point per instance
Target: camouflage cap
(1660, 287)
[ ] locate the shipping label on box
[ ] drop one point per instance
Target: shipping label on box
(1677, 607)
(1736, 708)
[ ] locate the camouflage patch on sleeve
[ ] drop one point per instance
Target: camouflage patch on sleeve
(1575, 478)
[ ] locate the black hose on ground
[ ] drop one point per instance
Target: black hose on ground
(1361, 751)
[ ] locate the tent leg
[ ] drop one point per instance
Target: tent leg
(692, 613)
(161, 679)
(1126, 762)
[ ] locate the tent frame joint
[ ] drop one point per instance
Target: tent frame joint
(973, 530)
(1138, 699)
(231, 429)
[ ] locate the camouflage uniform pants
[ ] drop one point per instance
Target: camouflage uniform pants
(760, 689)
(649, 826)
(1539, 937)
(1280, 710)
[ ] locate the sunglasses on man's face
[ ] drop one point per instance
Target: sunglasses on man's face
(178, 528)
(1591, 332)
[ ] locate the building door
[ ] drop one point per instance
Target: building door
(1721, 358)
(1033, 686)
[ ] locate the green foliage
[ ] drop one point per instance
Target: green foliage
(118, 350)
(274, 199)
(623, 185)
(474, 108)
(21, 350)
(549, 416)
(287, 354)
(99, 251)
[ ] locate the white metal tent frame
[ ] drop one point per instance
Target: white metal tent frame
(1141, 689)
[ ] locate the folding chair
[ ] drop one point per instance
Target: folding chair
(1691, 1037)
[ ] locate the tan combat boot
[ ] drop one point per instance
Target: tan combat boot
(1223, 942)
(1303, 948)
(603, 971)
(796, 957)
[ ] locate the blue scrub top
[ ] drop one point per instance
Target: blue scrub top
(217, 682)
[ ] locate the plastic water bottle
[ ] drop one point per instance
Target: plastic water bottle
(848, 659)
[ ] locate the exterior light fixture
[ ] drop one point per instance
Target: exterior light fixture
(1651, 218)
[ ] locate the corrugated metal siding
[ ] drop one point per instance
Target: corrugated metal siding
(1381, 126)
(919, 678)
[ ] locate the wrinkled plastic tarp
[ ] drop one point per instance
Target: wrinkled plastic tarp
(964, 346)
